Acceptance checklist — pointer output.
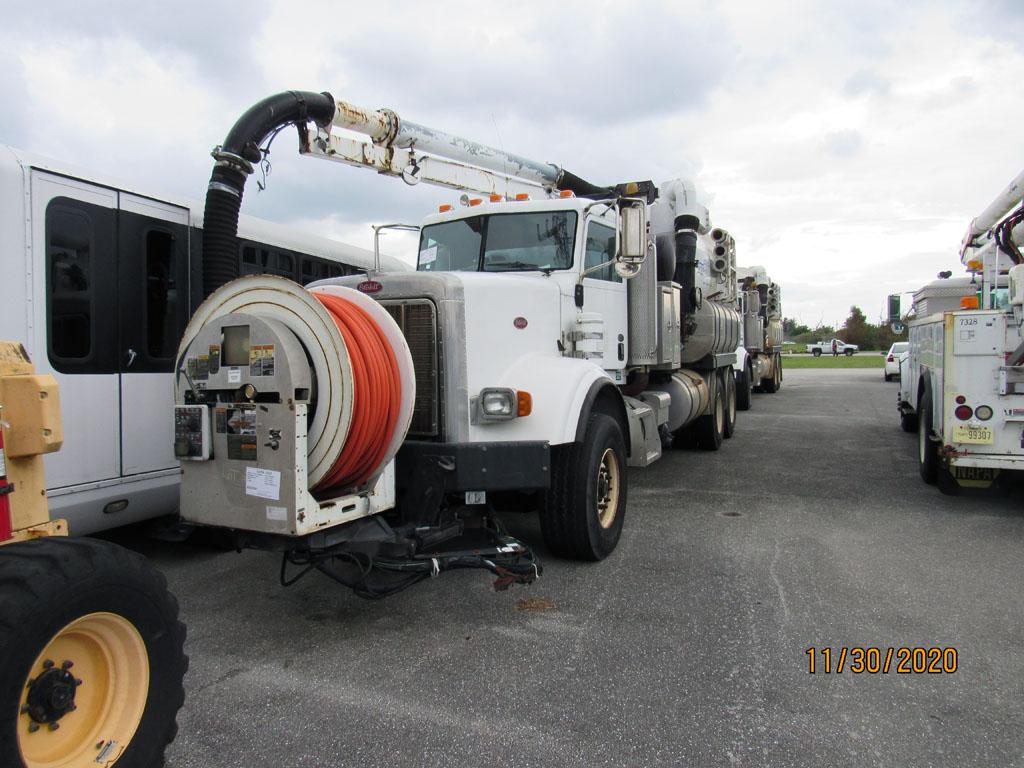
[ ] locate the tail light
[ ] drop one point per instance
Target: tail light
(963, 412)
(891, 359)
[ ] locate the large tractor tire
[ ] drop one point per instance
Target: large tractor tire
(744, 388)
(93, 659)
(584, 509)
(729, 381)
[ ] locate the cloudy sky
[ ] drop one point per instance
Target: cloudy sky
(845, 145)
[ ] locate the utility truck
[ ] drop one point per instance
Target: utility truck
(554, 333)
(834, 345)
(758, 359)
(962, 384)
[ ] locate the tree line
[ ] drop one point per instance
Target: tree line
(855, 330)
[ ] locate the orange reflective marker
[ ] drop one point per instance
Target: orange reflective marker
(524, 402)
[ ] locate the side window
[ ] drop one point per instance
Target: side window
(70, 248)
(81, 286)
(600, 249)
(162, 295)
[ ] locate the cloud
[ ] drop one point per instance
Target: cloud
(843, 143)
(866, 81)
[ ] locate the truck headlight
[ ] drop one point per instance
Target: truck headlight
(501, 404)
(497, 404)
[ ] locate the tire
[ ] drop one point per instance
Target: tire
(87, 602)
(730, 404)
(770, 385)
(848, 352)
(816, 353)
(908, 421)
(887, 377)
(778, 372)
(744, 388)
(710, 428)
(927, 456)
(571, 519)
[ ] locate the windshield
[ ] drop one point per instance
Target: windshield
(507, 242)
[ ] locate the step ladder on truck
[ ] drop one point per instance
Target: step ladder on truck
(93, 657)
(373, 427)
(962, 382)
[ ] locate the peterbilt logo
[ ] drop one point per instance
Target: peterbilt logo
(369, 286)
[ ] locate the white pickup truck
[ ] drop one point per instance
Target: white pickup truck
(826, 346)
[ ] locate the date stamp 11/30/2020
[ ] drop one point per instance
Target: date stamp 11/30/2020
(875, 660)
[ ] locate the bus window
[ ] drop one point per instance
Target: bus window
(161, 295)
(69, 256)
(285, 265)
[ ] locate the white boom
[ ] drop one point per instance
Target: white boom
(416, 153)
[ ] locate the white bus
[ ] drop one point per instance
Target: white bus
(97, 280)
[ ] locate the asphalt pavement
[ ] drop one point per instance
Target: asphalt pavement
(686, 647)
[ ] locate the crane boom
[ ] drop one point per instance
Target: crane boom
(398, 147)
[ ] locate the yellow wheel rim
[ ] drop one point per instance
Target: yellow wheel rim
(64, 723)
(608, 483)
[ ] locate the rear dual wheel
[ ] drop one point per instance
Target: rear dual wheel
(729, 380)
(744, 388)
(93, 657)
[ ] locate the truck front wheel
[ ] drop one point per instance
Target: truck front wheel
(93, 656)
(816, 353)
(584, 509)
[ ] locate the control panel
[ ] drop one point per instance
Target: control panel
(192, 432)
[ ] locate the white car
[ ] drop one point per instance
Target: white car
(892, 359)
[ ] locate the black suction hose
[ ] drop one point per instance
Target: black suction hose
(686, 267)
(234, 159)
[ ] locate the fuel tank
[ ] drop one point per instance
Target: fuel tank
(712, 328)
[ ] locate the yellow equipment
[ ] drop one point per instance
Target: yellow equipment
(93, 659)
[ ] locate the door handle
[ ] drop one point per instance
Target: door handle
(131, 354)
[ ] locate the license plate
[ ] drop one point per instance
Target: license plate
(972, 435)
(975, 477)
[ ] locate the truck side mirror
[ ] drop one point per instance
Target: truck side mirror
(632, 232)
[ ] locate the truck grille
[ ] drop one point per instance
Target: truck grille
(418, 320)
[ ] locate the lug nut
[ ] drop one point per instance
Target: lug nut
(77, 682)
(48, 664)
(25, 709)
(67, 665)
(54, 726)
(33, 727)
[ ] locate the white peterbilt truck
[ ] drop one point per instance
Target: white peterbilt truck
(758, 360)
(554, 333)
(962, 383)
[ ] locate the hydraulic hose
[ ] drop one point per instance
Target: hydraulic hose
(234, 159)
(376, 395)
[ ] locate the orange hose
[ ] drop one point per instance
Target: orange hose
(376, 394)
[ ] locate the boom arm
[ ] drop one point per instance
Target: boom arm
(417, 153)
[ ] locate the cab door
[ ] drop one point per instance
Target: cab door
(153, 307)
(604, 292)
